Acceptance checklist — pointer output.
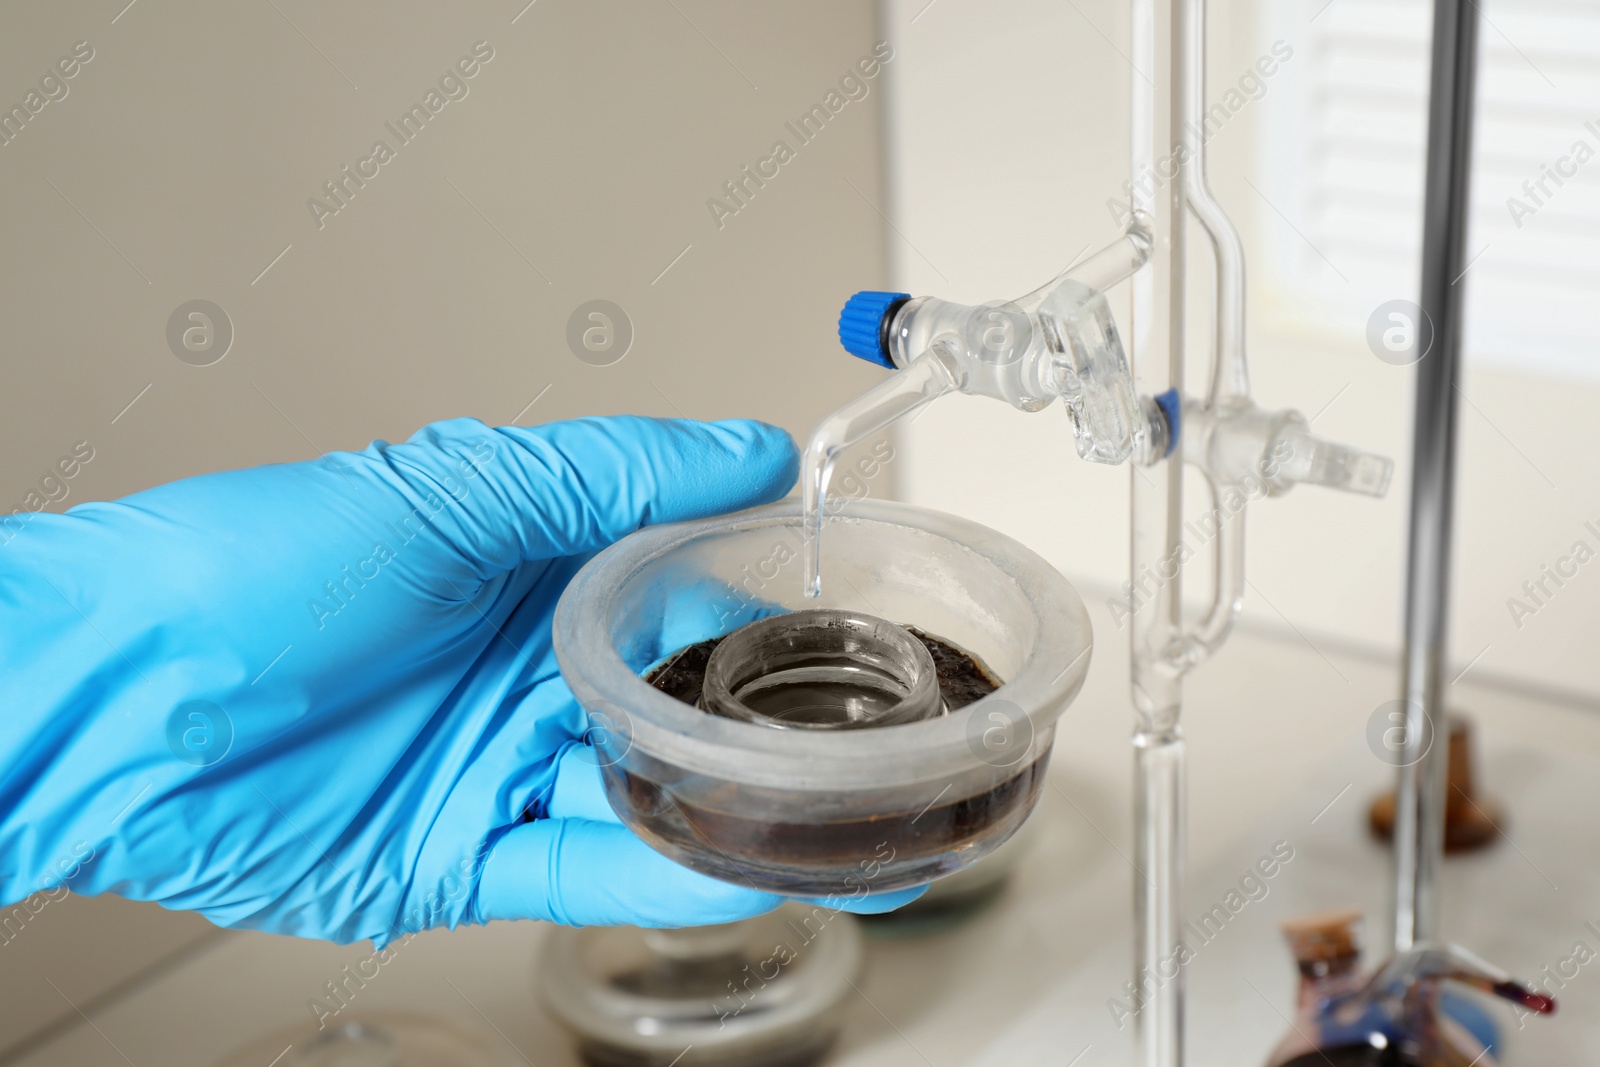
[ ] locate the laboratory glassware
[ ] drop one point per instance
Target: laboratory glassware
(1125, 405)
(765, 992)
(822, 812)
(1406, 1014)
(821, 669)
(376, 1039)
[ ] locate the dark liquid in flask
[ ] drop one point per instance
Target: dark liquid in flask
(1353, 1056)
(825, 844)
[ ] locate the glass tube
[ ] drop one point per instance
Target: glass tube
(1230, 370)
(928, 377)
(1157, 331)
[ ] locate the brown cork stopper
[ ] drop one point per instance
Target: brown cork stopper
(1471, 821)
(1324, 936)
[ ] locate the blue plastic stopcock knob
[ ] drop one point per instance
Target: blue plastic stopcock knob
(1171, 405)
(864, 322)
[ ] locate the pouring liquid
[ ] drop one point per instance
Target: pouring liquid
(816, 468)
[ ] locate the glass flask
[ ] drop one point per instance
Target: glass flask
(823, 812)
(1403, 1015)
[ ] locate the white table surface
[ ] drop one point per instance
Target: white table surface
(1276, 730)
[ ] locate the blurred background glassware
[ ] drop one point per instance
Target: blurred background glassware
(379, 1039)
(766, 992)
(968, 893)
(1403, 1015)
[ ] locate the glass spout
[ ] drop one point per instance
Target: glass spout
(925, 379)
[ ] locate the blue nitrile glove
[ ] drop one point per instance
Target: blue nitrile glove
(319, 698)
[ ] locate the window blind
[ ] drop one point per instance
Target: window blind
(1346, 155)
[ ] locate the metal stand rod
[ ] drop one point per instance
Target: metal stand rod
(1419, 821)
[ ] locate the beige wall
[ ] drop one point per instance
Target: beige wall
(577, 167)
(1002, 174)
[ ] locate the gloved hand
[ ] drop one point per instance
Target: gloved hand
(319, 698)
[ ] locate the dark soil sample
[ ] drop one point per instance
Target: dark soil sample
(754, 844)
(743, 841)
(684, 674)
(962, 679)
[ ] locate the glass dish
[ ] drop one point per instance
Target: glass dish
(822, 812)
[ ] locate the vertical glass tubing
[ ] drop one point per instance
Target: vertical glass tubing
(1230, 373)
(1157, 328)
(1230, 369)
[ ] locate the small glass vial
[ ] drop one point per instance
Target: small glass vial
(822, 669)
